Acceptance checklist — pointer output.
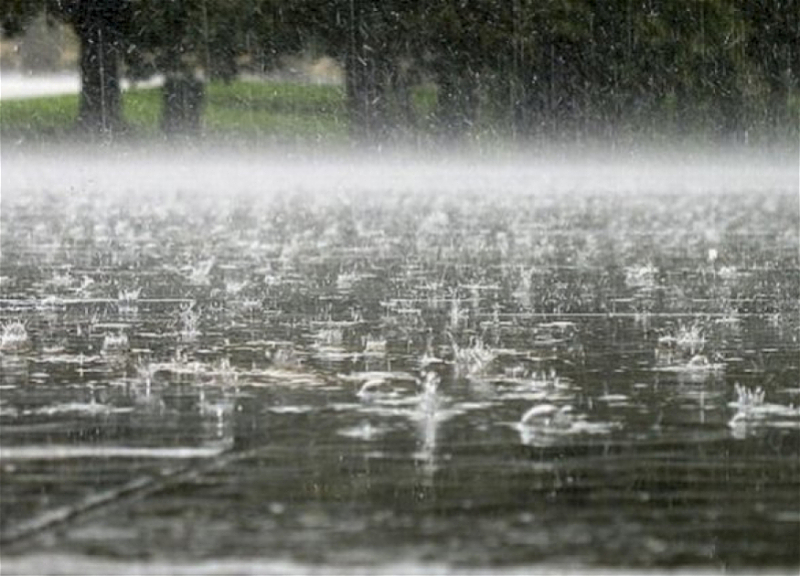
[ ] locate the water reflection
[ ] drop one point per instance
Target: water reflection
(301, 384)
(430, 414)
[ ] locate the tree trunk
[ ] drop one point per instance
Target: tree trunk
(366, 76)
(456, 100)
(357, 97)
(100, 108)
(182, 104)
(366, 98)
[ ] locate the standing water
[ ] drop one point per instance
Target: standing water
(261, 365)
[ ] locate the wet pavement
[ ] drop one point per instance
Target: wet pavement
(422, 380)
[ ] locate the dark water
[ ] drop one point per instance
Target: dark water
(278, 375)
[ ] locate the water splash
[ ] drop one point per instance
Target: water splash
(128, 301)
(474, 360)
(547, 424)
(199, 274)
(14, 337)
(387, 388)
(753, 412)
(115, 343)
(365, 431)
(374, 346)
(189, 319)
(548, 416)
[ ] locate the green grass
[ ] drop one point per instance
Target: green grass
(279, 111)
(272, 111)
(288, 113)
(44, 117)
(141, 109)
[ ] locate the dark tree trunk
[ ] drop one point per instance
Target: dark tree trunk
(366, 98)
(456, 100)
(357, 96)
(366, 75)
(100, 108)
(521, 87)
(182, 93)
(399, 79)
(182, 104)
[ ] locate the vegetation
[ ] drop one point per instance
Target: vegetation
(47, 116)
(278, 111)
(522, 68)
(282, 112)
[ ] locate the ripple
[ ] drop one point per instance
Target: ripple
(88, 408)
(365, 431)
(55, 452)
(298, 409)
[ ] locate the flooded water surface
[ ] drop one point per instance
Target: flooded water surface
(432, 367)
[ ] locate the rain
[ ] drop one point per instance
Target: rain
(368, 287)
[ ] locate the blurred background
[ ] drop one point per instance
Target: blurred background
(361, 70)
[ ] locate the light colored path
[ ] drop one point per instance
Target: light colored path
(16, 85)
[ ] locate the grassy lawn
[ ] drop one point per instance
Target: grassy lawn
(279, 111)
(303, 114)
(38, 118)
(272, 111)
